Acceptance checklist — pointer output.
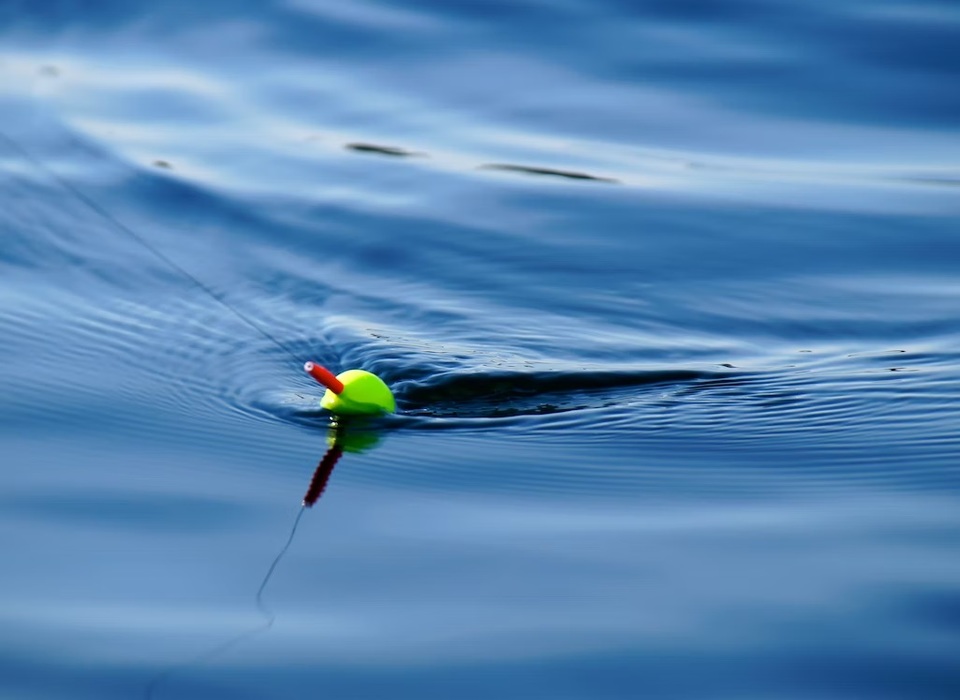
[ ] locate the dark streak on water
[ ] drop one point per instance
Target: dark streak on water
(550, 172)
(380, 150)
(692, 436)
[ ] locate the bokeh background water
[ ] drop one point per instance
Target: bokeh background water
(669, 293)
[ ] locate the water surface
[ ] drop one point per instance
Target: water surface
(667, 292)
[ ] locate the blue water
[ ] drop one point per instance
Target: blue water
(669, 294)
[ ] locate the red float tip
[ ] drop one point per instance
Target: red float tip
(324, 376)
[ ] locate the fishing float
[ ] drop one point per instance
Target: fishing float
(355, 392)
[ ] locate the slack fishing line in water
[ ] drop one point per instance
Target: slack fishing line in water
(337, 442)
(350, 393)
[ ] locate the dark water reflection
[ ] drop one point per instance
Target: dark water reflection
(691, 434)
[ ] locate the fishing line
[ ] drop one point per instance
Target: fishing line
(144, 242)
(269, 616)
(317, 486)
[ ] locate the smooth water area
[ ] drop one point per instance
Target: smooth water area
(668, 292)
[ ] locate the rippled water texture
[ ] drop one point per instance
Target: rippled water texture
(668, 293)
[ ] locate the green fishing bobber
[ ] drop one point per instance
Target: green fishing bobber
(353, 393)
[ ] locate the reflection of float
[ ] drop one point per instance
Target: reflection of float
(343, 437)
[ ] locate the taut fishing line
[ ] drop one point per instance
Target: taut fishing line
(144, 242)
(352, 392)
